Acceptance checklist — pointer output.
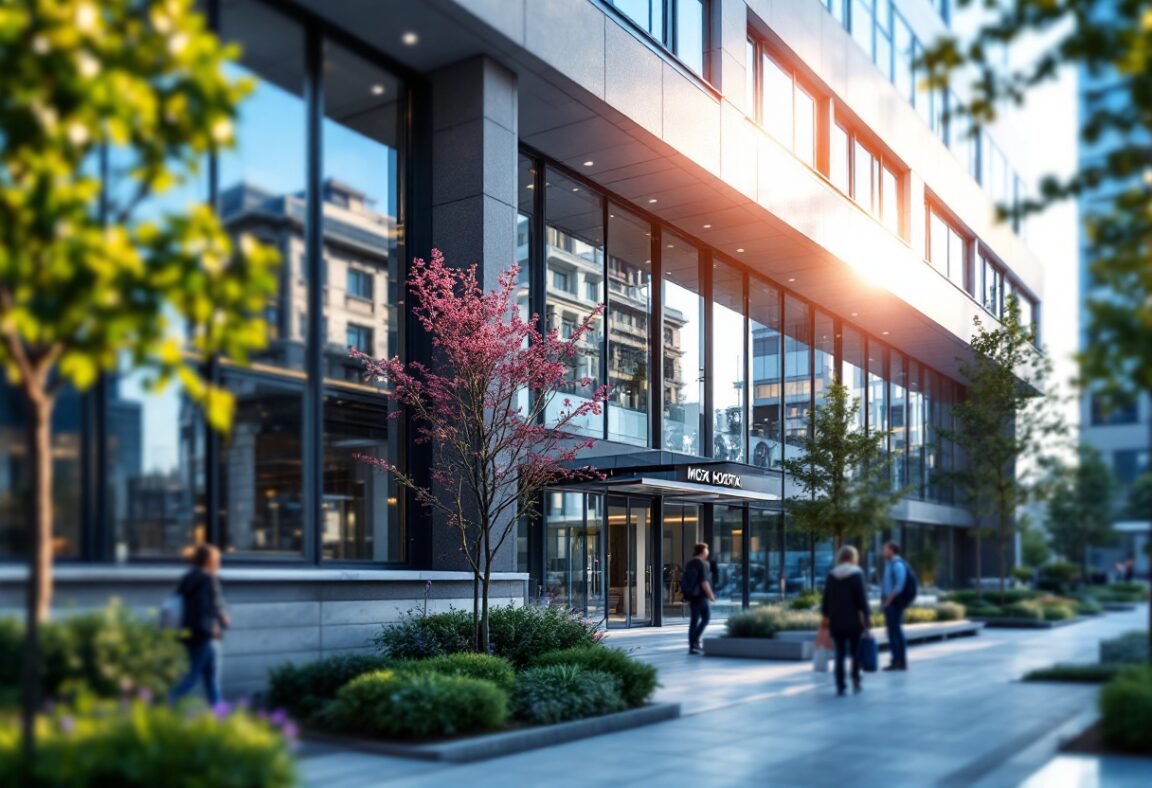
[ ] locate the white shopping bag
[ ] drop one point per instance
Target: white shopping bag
(820, 657)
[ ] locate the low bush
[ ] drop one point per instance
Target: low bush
(765, 622)
(1029, 611)
(303, 690)
(1023, 574)
(637, 679)
(1121, 592)
(805, 601)
(416, 705)
(1128, 587)
(473, 666)
(1059, 577)
(985, 611)
(1086, 605)
(142, 746)
(557, 693)
(521, 633)
(423, 636)
(950, 611)
(971, 597)
(1058, 612)
(1075, 674)
(1131, 648)
(919, 615)
(1126, 710)
(108, 653)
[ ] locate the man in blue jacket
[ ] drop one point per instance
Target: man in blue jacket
(895, 576)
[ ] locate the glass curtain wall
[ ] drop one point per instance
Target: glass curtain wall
(765, 340)
(916, 425)
(683, 383)
(898, 419)
(728, 363)
(764, 557)
(824, 357)
(575, 287)
(797, 374)
(629, 307)
(728, 558)
(877, 389)
(853, 371)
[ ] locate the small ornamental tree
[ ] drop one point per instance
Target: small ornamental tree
(87, 280)
(490, 405)
(1081, 507)
(1001, 426)
(844, 473)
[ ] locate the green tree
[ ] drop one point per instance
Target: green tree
(1034, 549)
(93, 277)
(1139, 504)
(1081, 507)
(843, 472)
(1000, 428)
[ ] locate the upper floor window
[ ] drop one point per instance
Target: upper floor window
(360, 337)
(786, 109)
(990, 286)
(680, 25)
(859, 171)
(947, 249)
(359, 284)
(1104, 416)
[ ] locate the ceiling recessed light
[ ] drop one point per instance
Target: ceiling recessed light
(854, 314)
(741, 249)
(652, 201)
(885, 333)
(589, 163)
(377, 90)
(575, 188)
(671, 246)
(409, 39)
(791, 279)
(530, 186)
(707, 227)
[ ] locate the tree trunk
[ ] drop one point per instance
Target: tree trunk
(485, 637)
(1002, 546)
(38, 595)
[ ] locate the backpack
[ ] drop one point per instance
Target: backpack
(172, 612)
(911, 587)
(691, 579)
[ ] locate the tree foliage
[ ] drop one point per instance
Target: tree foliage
(491, 405)
(844, 473)
(1082, 506)
(1139, 503)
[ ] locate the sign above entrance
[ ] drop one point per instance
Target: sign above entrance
(715, 477)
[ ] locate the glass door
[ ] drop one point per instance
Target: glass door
(680, 532)
(629, 562)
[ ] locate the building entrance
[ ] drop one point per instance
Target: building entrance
(630, 597)
(680, 531)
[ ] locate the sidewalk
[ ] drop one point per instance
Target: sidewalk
(958, 717)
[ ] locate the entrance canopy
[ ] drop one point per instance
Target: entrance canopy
(691, 482)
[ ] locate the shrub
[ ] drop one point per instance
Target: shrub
(1087, 605)
(877, 619)
(919, 615)
(142, 746)
(1131, 648)
(806, 601)
(1121, 592)
(421, 637)
(1058, 612)
(1060, 577)
(985, 611)
(416, 704)
(637, 679)
(1024, 610)
(557, 693)
(522, 633)
(765, 622)
(303, 690)
(970, 597)
(1126, 710)
(950, 611)
(1023, 574)
(1125, 587)
(108, 652)
(1077, 674)
(473, 666)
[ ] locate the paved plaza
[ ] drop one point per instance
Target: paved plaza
(958, 717)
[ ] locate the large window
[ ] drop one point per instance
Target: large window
(680, 25)
(867, 176)
(575, 254)
(797, 374)
(898, 418)
(683, 384)
(917, 419)
(853, 370)
(990, 288)
(767, 368)
(629, 307)
(787, 110)
(947, 249)
(728, 368)
(823, 356)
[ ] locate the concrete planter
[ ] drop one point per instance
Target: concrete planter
(494, 745)
(1028, 623)
(798, 645)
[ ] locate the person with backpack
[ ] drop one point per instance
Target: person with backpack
(897, 592)
(696, 587)
(204, 621)
(846, 615)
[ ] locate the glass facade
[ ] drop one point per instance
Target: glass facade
(629, 311)
(681, 26)
(683, 338)
(729, 370)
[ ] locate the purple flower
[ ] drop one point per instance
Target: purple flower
(222, 710)
(144, 695)
(67, 724)
(290, 730)
(244, 703)
(278, 718)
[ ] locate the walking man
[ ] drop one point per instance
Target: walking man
(205, 620)
(697, 589)
(898, 585)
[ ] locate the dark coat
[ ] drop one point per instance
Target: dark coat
(203, 605)
(845, 598)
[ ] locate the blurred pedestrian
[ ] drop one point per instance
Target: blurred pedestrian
(205, 619)
(846, 615)
(897, 592)
(697, 589)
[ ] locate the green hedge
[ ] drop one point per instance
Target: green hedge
(970, 597)
(303, 690)
(142, 746)
(473, 666)
(1131, 648)
(109, 653)
(1126, 710)
(985, 611)
(805, 601)
(765, 622)
(1075, 674)
(516, 633)
(557, 693)
(950, 611)
(1059, 577)
(637, 679)
(416, 705)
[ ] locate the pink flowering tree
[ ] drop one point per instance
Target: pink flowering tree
(492, 406)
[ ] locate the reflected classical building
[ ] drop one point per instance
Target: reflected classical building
(757, 219)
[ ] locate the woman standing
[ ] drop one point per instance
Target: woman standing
(846, 613)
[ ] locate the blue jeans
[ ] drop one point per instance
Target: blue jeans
(894, 622)
(701, 615)
(203, 665)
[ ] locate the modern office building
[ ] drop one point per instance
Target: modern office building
(1122, 435)
(762, 194)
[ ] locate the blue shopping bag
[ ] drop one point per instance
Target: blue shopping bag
(869, 654)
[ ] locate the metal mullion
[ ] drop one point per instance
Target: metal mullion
(704, 279)
(745, 558)
(656, 341)
(314, 265)
(605, 347)
(746, 399)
